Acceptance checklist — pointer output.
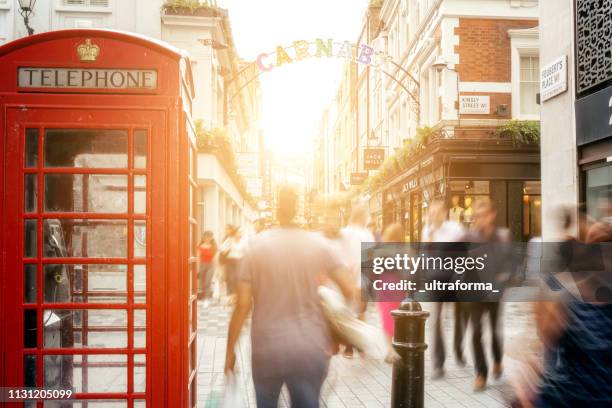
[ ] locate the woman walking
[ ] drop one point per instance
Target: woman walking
(393, 234)
(230, 253)
(207, 248)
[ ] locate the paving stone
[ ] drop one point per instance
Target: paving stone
(352, 382)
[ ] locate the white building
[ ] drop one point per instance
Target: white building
(206, 35)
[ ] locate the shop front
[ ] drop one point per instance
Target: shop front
(449, 171)
(594, 140)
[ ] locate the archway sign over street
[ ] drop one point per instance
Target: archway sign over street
(319, 48)
(363, 54)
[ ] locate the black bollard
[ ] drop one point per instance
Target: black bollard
(408, 387)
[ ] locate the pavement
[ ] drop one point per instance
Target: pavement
(365, 382)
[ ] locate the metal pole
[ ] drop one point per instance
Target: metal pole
(408, 386)
(26, 22)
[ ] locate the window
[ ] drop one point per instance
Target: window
(529, 84)
(86, 3)
(598, 191)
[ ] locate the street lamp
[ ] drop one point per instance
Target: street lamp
(25, 9)
(440, 64)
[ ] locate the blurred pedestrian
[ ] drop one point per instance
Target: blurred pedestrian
(485, 230)
(259, 225)
(374, 230)
(577, 330)
(439, 229)
(393, 233)
(207, 249)
(230, 253)
(351, 239)
(290, 339)
(601, 231)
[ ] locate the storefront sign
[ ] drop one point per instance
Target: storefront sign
(553, 79)
(594, 117)
(410, 185)
(358, 178)
(373, 158)
(475, 105)
(80, 78)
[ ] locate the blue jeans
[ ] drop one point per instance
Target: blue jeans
(304, 382)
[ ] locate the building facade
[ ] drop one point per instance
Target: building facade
(226, 111)
(458, 71)
(475, 65)
(576, 116)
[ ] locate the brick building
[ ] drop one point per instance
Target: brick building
(475, 69)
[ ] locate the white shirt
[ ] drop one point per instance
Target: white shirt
(351, 237)
(236, 248)
(449, 231)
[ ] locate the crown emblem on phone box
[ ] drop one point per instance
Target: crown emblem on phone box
(88, 52)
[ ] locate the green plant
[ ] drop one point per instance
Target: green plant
(423, 136)
(401, 160)
(521, 131)
(191, 5)
(217, 142)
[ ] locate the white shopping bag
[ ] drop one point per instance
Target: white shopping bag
(233, 396)
(367, 338)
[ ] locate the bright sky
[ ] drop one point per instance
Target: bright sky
(294, 96)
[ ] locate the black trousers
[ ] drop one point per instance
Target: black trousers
(461, 319)
(477, 311)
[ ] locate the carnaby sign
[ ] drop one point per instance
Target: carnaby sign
(87, 78)
(319, 48)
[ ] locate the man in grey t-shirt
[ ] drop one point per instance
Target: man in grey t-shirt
(278, 278)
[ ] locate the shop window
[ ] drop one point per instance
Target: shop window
(529, 84)
(532, 210)
(465, 196)
(599, 192)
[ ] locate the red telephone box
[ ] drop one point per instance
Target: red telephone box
(97, 164)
